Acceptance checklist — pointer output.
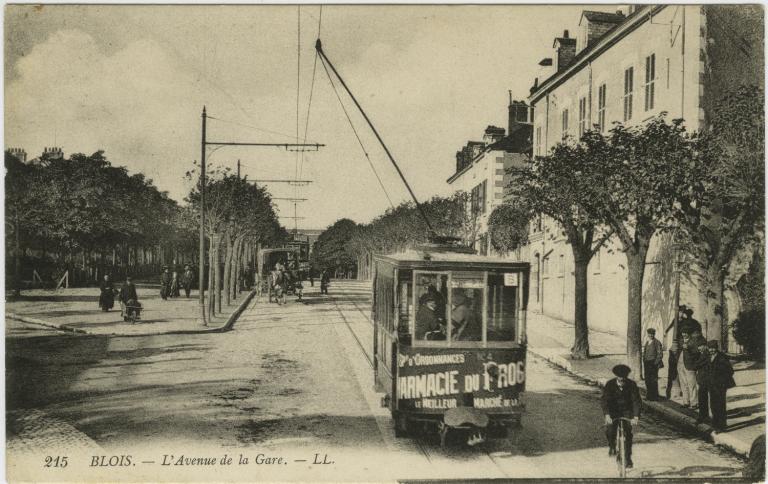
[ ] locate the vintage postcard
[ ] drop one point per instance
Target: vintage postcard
(366, 243)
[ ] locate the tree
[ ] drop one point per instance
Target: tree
(330, 251)
(732, 215)
(643, 177)
(559, 186)
(508, 226)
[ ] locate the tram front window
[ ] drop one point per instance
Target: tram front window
(430, 293)
(467, 306)
(502, 306)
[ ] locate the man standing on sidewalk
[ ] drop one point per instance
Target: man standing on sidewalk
(717, 378)
(653, 355)
(686, 371)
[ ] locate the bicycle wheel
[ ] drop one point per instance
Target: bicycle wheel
(621, 454)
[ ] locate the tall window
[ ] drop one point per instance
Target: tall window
(565, 123)
(477, 199)
(601, 107)
(628, 87)
(582, 115)
(650, 80)
(538, 141)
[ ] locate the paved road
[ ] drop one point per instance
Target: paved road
(292, 381)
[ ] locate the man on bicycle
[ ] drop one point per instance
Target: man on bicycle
(621, 398)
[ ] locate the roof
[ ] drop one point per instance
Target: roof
(604, 17)
(460, 260)
(564, 41)
(615, 34)
(519, 140)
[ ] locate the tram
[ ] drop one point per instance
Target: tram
(449, 340)
(449, 347)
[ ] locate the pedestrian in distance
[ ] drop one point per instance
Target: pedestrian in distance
(686, 370)
(186, 279)
(716, 378)
(653, 360)
(165, 283)
(312, 277)
(129, 299)
(325, 281)
(107, 295)
(620, 398)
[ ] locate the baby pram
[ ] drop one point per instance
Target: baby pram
(132, 311)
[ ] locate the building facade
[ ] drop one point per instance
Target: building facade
(481, 168)
(629, 67)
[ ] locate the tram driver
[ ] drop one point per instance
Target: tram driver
(428, 324)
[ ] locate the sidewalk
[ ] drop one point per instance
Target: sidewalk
(551, 339)
(76, 310)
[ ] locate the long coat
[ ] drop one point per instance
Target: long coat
(618, 402)
(107, 296)
(128, 293)
(715, 374)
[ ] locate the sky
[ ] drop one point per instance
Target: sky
(132, 80)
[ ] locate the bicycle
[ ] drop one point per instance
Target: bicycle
(621, 446)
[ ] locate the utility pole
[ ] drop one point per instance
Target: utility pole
(205, 143)
(200, 286)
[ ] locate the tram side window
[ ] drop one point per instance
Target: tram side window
(404, 306)
(502, 307)
(467, 306)
(431, 290)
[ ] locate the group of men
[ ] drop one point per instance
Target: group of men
(698, 371)
(430, 317)
(170, 283)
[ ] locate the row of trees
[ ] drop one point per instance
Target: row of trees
(84, 209)
(632, 184)
(82, 212)
(239, 218)
(346, 244)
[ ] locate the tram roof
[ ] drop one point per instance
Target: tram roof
(460, 260)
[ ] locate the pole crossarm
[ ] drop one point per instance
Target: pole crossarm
(291, 199)
(304, 182)
(278, 145)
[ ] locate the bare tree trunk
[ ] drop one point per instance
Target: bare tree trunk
(635, 274)
(580, 349)
(17, 258)
(211, 293)
(217, 275)
(237, 266)
(229, 244)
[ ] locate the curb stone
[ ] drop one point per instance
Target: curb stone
(227, 326)
(706, 432)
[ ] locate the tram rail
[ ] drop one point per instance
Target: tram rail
(420, 445)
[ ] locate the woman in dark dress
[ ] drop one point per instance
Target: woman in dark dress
(107, 296)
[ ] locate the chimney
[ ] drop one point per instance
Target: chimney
(565, 48)
(493, 134)
(519, 113)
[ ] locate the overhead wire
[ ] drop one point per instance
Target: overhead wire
(298, 97)
(354, 130)
(229, 121)
(311, 91)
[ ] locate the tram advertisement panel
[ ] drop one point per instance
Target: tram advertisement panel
(436, 379)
